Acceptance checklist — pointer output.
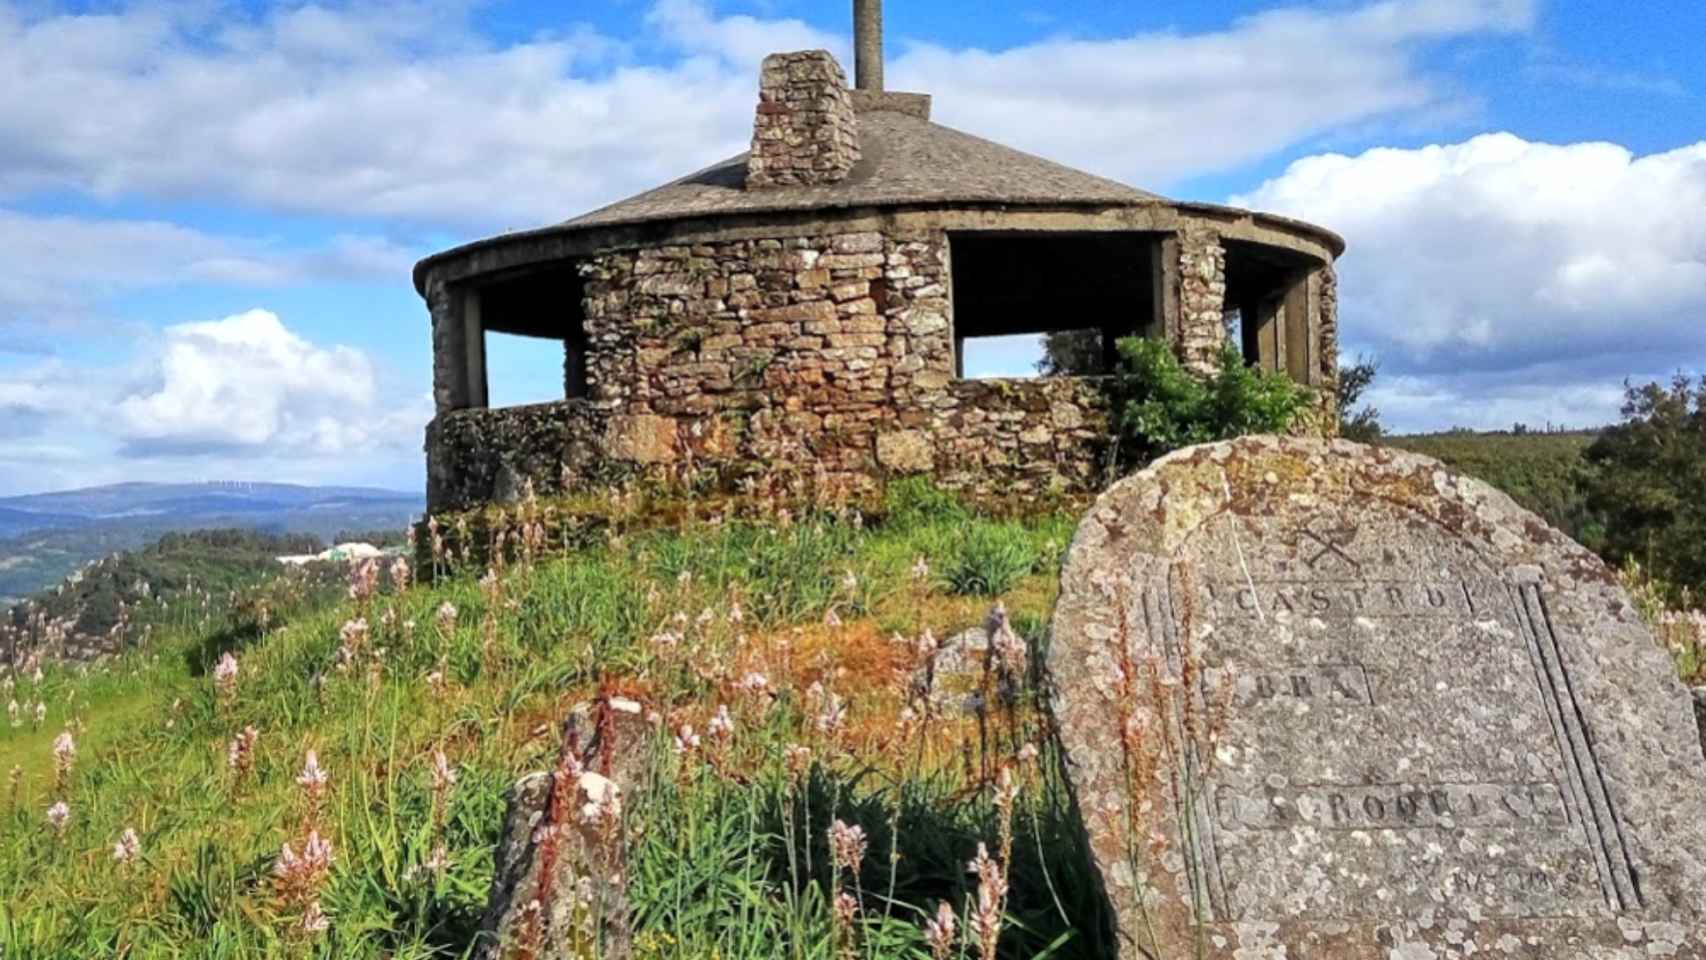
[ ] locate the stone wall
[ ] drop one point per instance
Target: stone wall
(1202, 300)
(1000, 439)
(813, 342)
(806, 132)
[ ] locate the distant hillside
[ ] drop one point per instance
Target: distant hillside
(45, 537)
(1538, 470)
(119, 599)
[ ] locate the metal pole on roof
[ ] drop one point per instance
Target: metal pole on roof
(868, 45)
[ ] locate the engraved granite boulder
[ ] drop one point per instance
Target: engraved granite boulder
(1322, 700)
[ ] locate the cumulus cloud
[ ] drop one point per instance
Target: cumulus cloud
(404, 111)
(246, 381)
(245, 386)
(1499, 275)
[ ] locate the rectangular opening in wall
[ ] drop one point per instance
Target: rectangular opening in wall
(535, 336)
(1267, 307)
(1048, 304)
(1058, 354)
(523, 370)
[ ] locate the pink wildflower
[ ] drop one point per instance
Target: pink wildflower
(847, 845)
(128, 848)
(401, 575)
(312, 779)
(722, 726)
(240, 755)
(364, 581)
(939, 933)
(225, 674)
(59, 816)
(686, 741)
(754, 685)
(64, 755)
(443, 774)
(991, 898)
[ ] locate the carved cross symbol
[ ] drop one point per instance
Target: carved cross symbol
(1333, 543)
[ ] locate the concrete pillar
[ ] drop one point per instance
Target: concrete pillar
(1300, 356)
(1163, 319)
(868, 45)
(474, 348)
(1265, 314)
(449, 348)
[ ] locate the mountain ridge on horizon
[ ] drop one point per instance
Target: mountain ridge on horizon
(22, 501)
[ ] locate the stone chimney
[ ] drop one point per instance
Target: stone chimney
(806, 132)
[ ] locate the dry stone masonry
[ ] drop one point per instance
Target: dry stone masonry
(1339, 703)
(806, 131)
(1202, 300)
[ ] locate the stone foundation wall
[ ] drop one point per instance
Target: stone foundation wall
(990, 438)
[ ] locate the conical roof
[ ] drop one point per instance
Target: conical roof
(905, 160)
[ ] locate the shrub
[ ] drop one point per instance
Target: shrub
(989, 559)
(1161, 406)
(1362, 425)
(1647, 479)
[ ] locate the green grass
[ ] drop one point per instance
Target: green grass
(718, 858)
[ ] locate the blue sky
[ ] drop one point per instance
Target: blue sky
(212, 208)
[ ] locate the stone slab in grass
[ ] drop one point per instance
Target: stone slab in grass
(1337, 702)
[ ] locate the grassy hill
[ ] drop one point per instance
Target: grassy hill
(807, 629)
(731, 848)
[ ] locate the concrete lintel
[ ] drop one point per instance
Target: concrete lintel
(549, 245)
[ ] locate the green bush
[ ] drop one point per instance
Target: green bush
(1647, 478)
(1162, 406)
(989, 559)
(1359, 424)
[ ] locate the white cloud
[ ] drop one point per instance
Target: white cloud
(1156, 107)
(740, 40)
(1509, 275)
(244, 388)
(403, 111)
(247, 382)
(57, 264)
(61, 270)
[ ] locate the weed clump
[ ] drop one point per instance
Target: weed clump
(990, 558)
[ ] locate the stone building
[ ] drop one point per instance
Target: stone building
(805, 306)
